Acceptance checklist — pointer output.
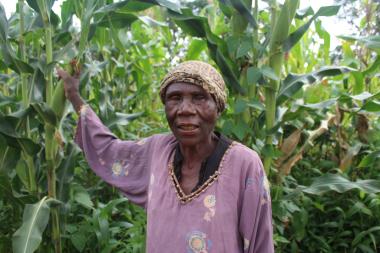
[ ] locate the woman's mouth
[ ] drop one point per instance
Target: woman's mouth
(187, 127)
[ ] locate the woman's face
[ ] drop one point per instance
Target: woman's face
(191, 113)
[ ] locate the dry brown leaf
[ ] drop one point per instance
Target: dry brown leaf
(58, 138)
(288, 146)
(362, 127)
(347, 159)
(288, 165)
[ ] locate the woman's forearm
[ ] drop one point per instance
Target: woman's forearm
(77, 102)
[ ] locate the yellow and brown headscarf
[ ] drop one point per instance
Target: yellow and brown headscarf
(201, 74)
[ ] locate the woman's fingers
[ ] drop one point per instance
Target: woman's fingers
(62, 74)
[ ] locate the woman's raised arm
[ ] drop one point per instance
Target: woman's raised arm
(123, 164)
(71, 85)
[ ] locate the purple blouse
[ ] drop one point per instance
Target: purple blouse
(230, 212)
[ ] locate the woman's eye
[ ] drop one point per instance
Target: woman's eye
(199, 97)
(174, 98)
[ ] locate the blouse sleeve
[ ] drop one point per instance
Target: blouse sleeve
(255, 223)
(123, 164)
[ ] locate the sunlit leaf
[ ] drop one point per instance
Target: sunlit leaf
(302, 13)
(151, 22)
(35, 219)
(372, 42)
(121, 119)
(294, 82)
(297, 35)
(371, 106)
(337, 183)
(170, 4)
(195, 48)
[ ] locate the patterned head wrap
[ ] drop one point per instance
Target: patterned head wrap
(197, 73)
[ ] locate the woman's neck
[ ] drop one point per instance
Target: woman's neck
(194, 155)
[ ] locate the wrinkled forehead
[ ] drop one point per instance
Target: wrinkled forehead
(180, 86)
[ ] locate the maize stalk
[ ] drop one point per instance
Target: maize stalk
(280, 31)
(51, 145)
(238, 27)
(32, 185)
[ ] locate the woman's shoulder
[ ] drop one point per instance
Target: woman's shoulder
(244, 160)
(242, 152)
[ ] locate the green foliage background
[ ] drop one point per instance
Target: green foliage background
(310, 111)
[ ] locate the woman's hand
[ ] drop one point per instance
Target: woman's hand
(71, 86)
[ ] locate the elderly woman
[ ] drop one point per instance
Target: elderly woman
(202, 192)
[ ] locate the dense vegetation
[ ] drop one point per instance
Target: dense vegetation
(309, 110)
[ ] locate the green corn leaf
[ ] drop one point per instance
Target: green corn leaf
(48, 4)
(35, 219)
(170, 4)
(13, 139)
(3, 25)
(281, 28)
(371, 106)
(373, 68)
(253, 75)
(244, 47)
(81, 196)
(4, 100)
(65, 172)
(46, 113)
(22, 172)
(121, 119)
(117, 20)
(322, 105)
(371, 42)
(226, 8)
(8, 156)
(359, 207)
(196, 47)
(294, 82)
(338, 183)
(269, 72)
(240, 7)
(116, 6)
(64, 51)
(198, 27)
(5, 184)
(13, 61)
(79, 240)
(362, 234)
(303, 13)
(297, 35)
(151, 22)
(369, 159)
(87, 14)
(138, 5)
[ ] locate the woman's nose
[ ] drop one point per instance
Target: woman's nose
(186, 106)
